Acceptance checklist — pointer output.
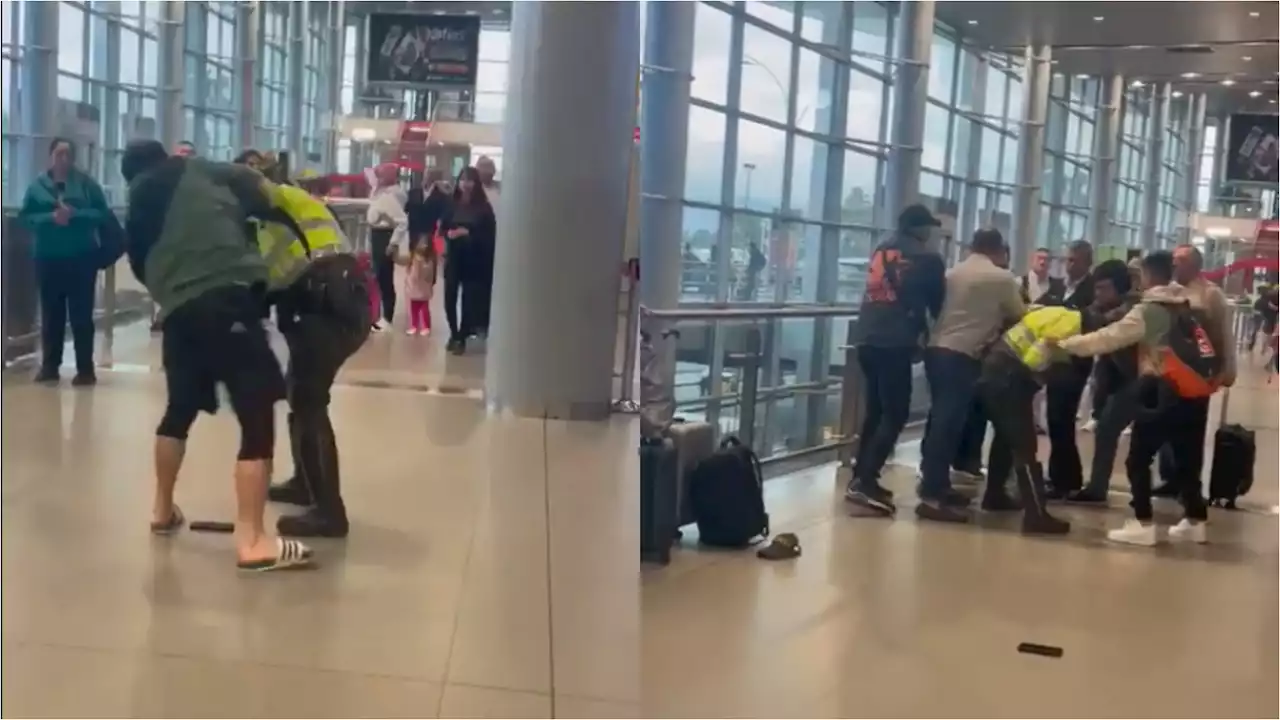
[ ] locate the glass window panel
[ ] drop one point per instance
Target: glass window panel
(761, 151)
(820, 22)
(963, 132)
(227, 45)
(489, 106)
(942, 67)
(1009, 165)
(704, 170)
(936, 121)
(130, 59)
(495, 44)
(813, 100)
(150, 63)
(997, 86)
(766, 73)
(808, 178)
(699, 230)
(711, 54)
(870, 30)
(71, 35)
(779, 14)
(70, 88)
(989, 160)
(967, 88)
(6, 80)
(858, 190)
(865, 100)
(491, 77)
(931, 185)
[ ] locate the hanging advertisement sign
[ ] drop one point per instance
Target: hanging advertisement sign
(423, 51)
(1253, 149)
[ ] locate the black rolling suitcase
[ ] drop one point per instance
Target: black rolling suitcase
(659, 499)
(1234, 452)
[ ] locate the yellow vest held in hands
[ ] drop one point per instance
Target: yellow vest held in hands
(287, 256)
(1027, 338)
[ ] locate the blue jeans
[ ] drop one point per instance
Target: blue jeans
(953, 381)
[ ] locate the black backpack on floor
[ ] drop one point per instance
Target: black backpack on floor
(726, 494)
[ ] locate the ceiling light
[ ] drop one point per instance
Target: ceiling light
(1098, 18)
(1136, 83)
(1273, 102)
(1228, 82)
(1189, 75)
(1177, 93)
(1247, 58)
(1255, 13)
(1083, 76)
(973, 22)
(1255, 93)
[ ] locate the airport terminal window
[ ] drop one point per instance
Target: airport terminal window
(871, 32)
(865, 107)
(813, 102)
(704, 168)
(942, 67)
(934, 154)
(820, 22)
(808, 178)
(766, 74)
(761, 159)
(858, 190)
(712, 28)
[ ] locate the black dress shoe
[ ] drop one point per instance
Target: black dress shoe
(311, 524)
(1000, 502)
(1087, 497)
(291, 492)
(941, 512)
(85, 379)
(48, 376)
(1044, 524)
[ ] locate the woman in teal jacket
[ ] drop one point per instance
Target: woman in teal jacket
(64, 208)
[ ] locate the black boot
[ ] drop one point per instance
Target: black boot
(293, 491)
(1036, 519)
(48, 375)
(318, 465)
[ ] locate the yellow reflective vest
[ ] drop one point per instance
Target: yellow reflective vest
(1027, 338)
(287, 256)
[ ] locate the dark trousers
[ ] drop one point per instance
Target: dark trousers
(461, 295)
(953, 379)
(1181, 427)
(1118, 414)
(67, 287)
(1008, 392)
(969, 455)
(483, 290)
(325, 319)
(1062, 397)
(384, 270)
(887, 373)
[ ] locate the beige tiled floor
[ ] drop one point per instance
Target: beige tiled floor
(892, 618)
(491, 570)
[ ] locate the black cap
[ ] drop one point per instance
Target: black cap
(914, 216)
(140, 156)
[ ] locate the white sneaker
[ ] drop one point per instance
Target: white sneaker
(1187, 531)
(1135, 532)
(1090, 425)
(411, 331)
(379, 326)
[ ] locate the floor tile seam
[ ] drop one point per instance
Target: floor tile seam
(457, 614)
(546, 503)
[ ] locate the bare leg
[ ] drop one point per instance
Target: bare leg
(252, 540)
(168, 458)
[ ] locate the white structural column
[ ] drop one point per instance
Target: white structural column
(1106, 148)
(913, 40)
(172, 49)
(333, 82)
(248, 19)
(299, 27)
(1026, 197)
(1156, 129)
(664, 137)
(572, 94)
(1197, 106)
(39, 101)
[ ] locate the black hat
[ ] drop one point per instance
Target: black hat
(917, 215)
(140, 156)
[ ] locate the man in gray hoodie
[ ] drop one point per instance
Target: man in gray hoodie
(1163, 415)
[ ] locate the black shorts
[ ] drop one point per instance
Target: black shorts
(219, 338)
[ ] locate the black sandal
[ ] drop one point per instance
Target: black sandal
(290, 555)
(170, 526)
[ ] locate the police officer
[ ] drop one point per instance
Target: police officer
(322, 308)
(1012, 373)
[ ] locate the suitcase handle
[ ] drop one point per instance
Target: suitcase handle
(1222, 408)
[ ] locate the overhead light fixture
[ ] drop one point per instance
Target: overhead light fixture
(1136, 83)
(1255, 93)
(1228, 82)
(1255, 13)
(973, 22)
(1273, 102)
(1190, 75)
(1177, 93)
(1247, 58)
(1098, 18)
(1083, 76)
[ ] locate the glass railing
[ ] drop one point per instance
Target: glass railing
(783, 379)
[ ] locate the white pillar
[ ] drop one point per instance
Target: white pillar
(1154, 163)
(248, 19)
(299, 25)
(1106, 148)
(555, 289)
(914, 38)
(172, 50)
(39, 101)
(1026, 197)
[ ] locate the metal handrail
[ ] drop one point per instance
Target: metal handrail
(738, 312)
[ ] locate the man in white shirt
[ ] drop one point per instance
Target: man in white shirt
(388, 232)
